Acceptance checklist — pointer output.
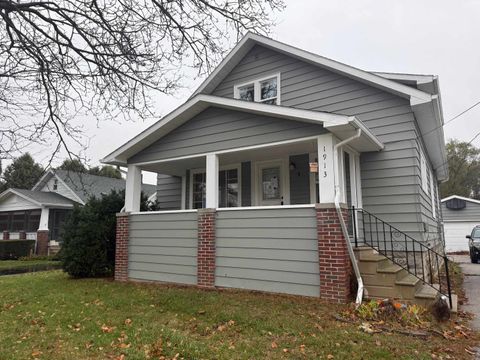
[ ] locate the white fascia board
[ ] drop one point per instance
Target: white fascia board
(461, 198)
(429, 116)
(199, 103)
(416, 78)
(364, 76)
(12, 191)
(70, 189)
(353, 125)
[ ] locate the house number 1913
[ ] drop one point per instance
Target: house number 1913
(324, 156)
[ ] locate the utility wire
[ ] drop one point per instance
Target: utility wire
(455, 117)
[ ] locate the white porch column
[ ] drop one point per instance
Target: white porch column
(326, 176)
(44, 219)
(133, 189)
(211, 188)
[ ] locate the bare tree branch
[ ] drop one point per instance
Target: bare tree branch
(60, 59)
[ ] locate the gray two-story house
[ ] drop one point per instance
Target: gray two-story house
(272, 136)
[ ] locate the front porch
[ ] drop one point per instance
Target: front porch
(275, 174)
(262, 218)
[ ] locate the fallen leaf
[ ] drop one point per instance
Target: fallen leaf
(285, 350)
(274, 345)
(128, 321)
(36, 353)
(107, 329)
(330, 356)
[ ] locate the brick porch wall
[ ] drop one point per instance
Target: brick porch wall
(42, 242)
(334, 261)
(206, 248)
(121, 247)
(6, 235)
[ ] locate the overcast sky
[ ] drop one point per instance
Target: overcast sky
(426, 37)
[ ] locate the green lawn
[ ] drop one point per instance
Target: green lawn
(49, 316)
(14, 264)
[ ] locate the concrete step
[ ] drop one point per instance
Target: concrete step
(370, 266)
(362, 251)
(408, 286)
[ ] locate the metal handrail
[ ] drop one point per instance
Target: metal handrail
(376, 236)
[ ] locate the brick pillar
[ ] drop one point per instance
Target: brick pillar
(206, 248)
(22, 235)
(42, 242)
(121, 247)
(334, 261)
(6, 235)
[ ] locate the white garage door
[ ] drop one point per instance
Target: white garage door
(455, 233)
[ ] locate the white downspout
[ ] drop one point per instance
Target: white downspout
(359, 297)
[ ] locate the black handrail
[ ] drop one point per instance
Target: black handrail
(397, 243)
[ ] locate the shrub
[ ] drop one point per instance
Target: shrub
(88, 248)
(13, 249)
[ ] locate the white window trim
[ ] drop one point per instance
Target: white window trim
(432, 195)
(423, 172)
(256, 88)
(221, 168)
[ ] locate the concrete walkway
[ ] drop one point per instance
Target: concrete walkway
(471, 285)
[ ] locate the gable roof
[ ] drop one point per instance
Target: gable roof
(341, 125)
(40, 198)
(426, 106)
(461, 198)
(251, 39)
(85, 185)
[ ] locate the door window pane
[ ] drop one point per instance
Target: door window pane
(271, 183)
(247, 92)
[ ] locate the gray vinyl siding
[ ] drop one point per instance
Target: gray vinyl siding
(169, 192)
(390, 182)
(246, 190)
(163, 247)
(300, 180)
(471, 212)
(218, 129)
(273, 250)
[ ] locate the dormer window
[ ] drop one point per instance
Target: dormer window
(265, 90)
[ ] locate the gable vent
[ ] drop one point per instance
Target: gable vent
(456, 204)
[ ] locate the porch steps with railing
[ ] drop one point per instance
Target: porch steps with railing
(384, 279)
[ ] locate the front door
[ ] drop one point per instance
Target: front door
(270, 183)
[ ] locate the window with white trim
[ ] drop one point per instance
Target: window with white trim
(228, 188)
(432, 195)
(423, 172)
(265, 90)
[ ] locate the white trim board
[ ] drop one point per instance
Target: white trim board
(461, 198)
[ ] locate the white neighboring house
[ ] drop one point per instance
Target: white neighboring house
(460, 215)
(39, 213)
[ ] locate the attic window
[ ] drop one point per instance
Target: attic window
(456, 204)
(55, 184)
(265, 90)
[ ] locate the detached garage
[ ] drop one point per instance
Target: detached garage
(460, 215)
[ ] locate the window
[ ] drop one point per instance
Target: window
(199, 185)
(423, 172)
(432, 196)
(265, 90)
(271, 183)
(55, 184)
(228, 188)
